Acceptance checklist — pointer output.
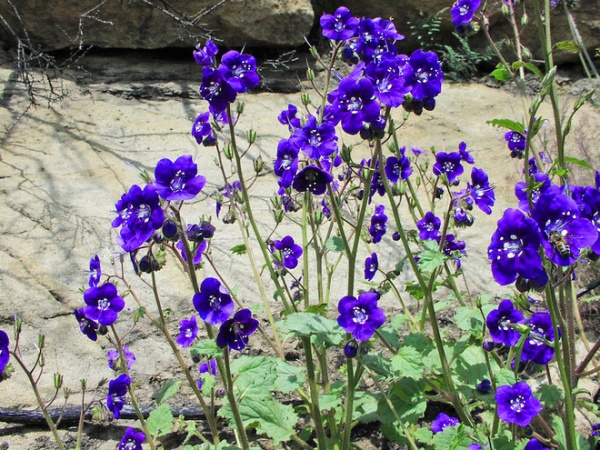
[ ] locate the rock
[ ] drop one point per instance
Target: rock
(148, 24)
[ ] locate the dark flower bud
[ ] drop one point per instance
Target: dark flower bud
(360, 194)
(417, 106)
(169, 230)
(102, 330)
(364, 348)
(485, 386)
(259, 164)
(488, 346)
(145, 264)
(407, 104)
(439, 192)
(396, 236)
(351, 349)
(429, 104)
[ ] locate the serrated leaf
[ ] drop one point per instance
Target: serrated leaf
(470, 320)
(288, 378)
(408, 400)
(160, 421)
(323, 330)
(429, 260)
(335, 244)
(329, 401)
(408, 362)
(423, 435)
(168, 390)
(452, 438)
(206, 348)
(378, 364)
(567, 46)
(508, 124)
(254, 376)
(550, 395)
(239, 249)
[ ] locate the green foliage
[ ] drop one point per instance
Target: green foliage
(169, 389)
(461, 61)
(321, 330)
(160, 421)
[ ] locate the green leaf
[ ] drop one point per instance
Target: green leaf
(452, 438)
(206, 348)
(160, 421)
(470, 320)
(518, 64)
(335, 244)
(168, 390)
(431, 258)
(423, 435)
(239, 249)
(408, 362)
(567, 46)
(550, 395)
(501, 73)
(323, 330)
(380, 365)
(254, 376)
(288, 378)
(408, 401)
(579, 162)
(508, 124)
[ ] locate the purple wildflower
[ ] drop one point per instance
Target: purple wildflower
(463, 11)
(541, 184)
(202, 130)
(117, 389)
(481, 190)
(87, 326)
(590, 209)
(354, 103)
(213, 302)
(286, 164)
(316, 140)
(95, 271)
(443, 421)
(397, 168)
(390, 76)
(114, 359)
(207, 368)
(197, 249)
(216, 90)
(103, 304)
(516, 404)
(516, 143)
(234, 332)
(429, 226)
(499, 324)
(205, 56)
(288, 117)
(132, 440)
(339, 26)
(177, 181)
(595, 430)
(427, 75)
(289, 252)
(534, 444)
(465, 154)
(188, 330)
(378, 224)
(371, 266)
(535, 348)
(312, 179)
(360, 317)
(514, 248)
(239, 71)
(449, 164)
(484, 386)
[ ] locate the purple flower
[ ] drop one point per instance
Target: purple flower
(139, 215)
(239, 70)
(427, 75)
(564, 233)
(516, 404)
(499, 324)
(397, 168)
(176, 181)
(590, 209)
(541, 184)
(429, 226)
(117, 389)
(449, 164)
(339, 26)
(202, 130)
(289, 252)
(312, 179)
(213, 302)
(286, 164)
(205, 56)
(516, 143)
(371, 266)
(481, 190)
(443, 421)
(234, 332)
(197, 249)
(315, 140)
(462, 12)
(188, 330)
(465, 154)
(86, 326)
(390, 76)
(103, 304)
(485, 386)
(453, 248)
(216, 90)
(360, 317)
(378, 224)
(514, 248)
(95, 271)
(534, 444)
(210, 368)
(288, 117)
(535, 348)
(132, 440)
(353, 102)
(4, 351)
(595, 430)
(113, 358)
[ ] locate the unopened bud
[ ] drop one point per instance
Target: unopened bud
(318, 218)
(239, 108)
(314, 52)
(41, 341)
(228, 151)
(58, 381)
(238, 197)
(259, 164)
(278, 215)
(305, 98)
(524, 19)
(310, 75)
(276, 202)
(346, 154)
(251, 136)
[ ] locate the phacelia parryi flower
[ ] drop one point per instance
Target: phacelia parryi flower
(448, 164)
(484, 386)
(213, 302)
(499, 322)
(462, 14)
(339, 26)
(514, 248)
(534, 444)
(286, 164)
(541, 184)
(535, 348)
(205, 56)
(132, 440)
(188, 330)
(564, 232)
(312, 179)
(209, 368)
(378, 224)
(516, 143)
(216, 90)
(4, 351)
(315, 140)
(371, 266)
(429, 226)
(397, 168)
(443, 421)
(427, 75)
(239, 71)
(87, 326)
(202, 130)
(177, 181)
(114, 361)
(95, 271)
(390, 75)
(117, 389)
(516, 404)
(289, 252)
(234, 333)
(139, 215)
(481, 190)
(103, 304)
(360, 317)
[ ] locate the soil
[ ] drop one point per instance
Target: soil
(63, 167)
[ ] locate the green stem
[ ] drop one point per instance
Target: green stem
(314, 395)
(233, 403)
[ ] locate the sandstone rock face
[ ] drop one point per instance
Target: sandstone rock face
(152, 24)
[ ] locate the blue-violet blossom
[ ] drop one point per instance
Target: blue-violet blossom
(499, 323)
(443, 421)
(516, 404)
(117, 389)
(132, 440)
(176, 181)
(289, 251)
(188, 330)
(213, 302)
(234, 332)
(103, 304)
(360, 317)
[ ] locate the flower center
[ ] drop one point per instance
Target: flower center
(360, 315)
(214, 302)
(178, 182)
(103, 304)
(517, 404)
